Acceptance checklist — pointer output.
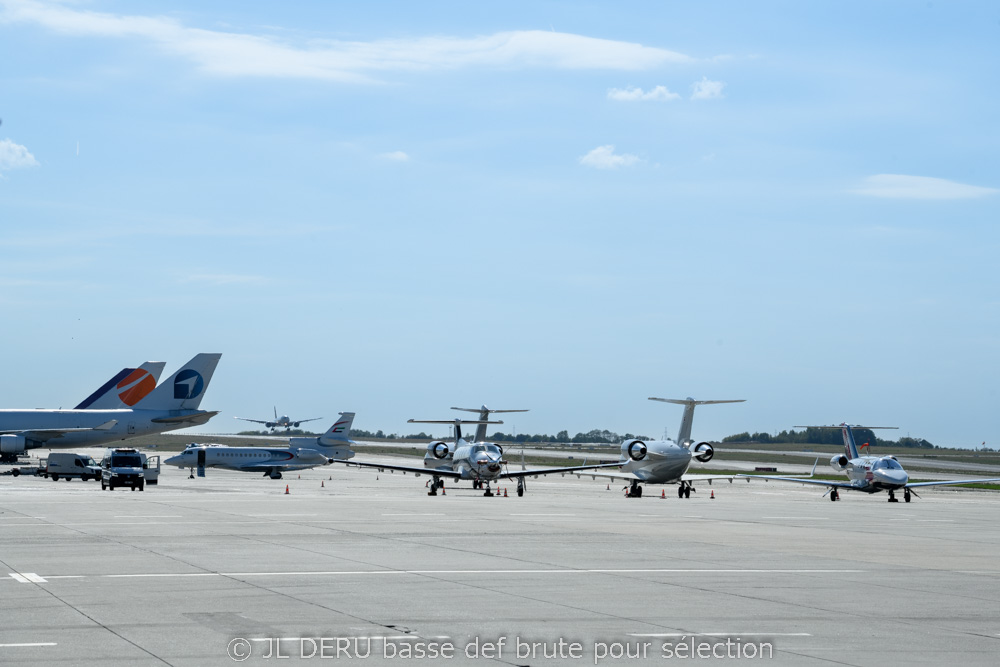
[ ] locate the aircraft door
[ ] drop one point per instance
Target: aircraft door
(201, 463)
(131, 428)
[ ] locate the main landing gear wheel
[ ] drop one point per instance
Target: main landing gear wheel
(906, 495)
(520, 487)
(893, 498)
(634, 490)
(434, 486)
(834, 495)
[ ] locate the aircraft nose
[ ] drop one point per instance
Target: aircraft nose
(892, 477)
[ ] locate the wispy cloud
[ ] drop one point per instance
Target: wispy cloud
(706, 89)
(259, 55)
(901, 186)
(15, 156)
(396, 156)
(634, 94)
(604, 157)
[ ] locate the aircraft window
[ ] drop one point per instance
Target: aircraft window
(479, 448)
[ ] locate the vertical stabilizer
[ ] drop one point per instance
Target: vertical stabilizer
(684, 434)
(340, 432)
(484, 415)
(850, 447)
(184, 389)
(125, 389)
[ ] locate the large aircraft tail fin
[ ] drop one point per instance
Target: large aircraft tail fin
(184, 389)
(457, 423)
(125, 389)
(684, 435)
(340, 432)
(484, 415)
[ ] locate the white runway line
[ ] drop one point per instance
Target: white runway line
(27, 578)
(328, 573)
(28, 644)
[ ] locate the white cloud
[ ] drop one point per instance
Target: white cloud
(707, 90)
(242, 54)
(397, 156)
(901, 186)
(15, 156)
(603, 157)
(634, 94)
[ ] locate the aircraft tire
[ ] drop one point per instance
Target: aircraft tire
(520, 491)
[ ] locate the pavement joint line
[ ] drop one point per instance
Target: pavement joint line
(455, 572)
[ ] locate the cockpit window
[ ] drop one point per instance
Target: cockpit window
(886, 464)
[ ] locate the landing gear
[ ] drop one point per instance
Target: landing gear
(634, 490)
(436, 483)
(520, 487)
(684, 490)
(476, 484)
(906, 495)
(835, 495)
(892, 497)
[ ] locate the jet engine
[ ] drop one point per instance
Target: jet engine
(296, 424)
(838, 462)
(438, 449)
(703, 452)
(12, 444)
(634, 449)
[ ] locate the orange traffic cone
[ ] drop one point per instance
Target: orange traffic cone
(300, 476)
(442, 490)
(286, 489)
(609, 486)
(663, 494)
(321, 484)
(505, 492)
(712, 497)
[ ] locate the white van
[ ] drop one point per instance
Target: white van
(67, 465)
(123, 466)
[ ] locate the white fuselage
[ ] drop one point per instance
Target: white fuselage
(248, 458)
(663, 463)
(478, 461)
(128, 424)
(874, 473)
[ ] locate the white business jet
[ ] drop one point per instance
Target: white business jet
(301, 453)
(868, 474)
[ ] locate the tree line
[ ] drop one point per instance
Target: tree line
(828, 436)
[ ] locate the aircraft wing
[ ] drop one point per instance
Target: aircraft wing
(389, 466)
(45, 434)
(299, 421)
(952, 483)
(193, 419)
(255, 421)
(550, 471)
(802, 480)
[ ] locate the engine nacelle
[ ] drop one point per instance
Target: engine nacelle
(839, 462)
(439, 450)
(12, 444)
(703, 452)
(634, 449)
(295, 425)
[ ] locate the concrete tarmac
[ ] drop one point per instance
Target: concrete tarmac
(194, 571)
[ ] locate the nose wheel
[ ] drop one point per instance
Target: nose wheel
(906, 495)
(684, 490)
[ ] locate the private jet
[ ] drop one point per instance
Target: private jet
(868, 474)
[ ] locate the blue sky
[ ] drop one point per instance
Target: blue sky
(394, 208)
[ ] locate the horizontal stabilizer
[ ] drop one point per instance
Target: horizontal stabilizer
(691, 401)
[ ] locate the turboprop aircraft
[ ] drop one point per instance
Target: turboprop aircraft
(279, 422)
(868, 474)
(666, 461)
(170, 406)
(301, 453)
(481, 462)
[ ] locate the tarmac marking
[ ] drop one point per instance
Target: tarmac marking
(28, 644)
(428, 514)
(542, 515)
(148, 516)
(27, 578)
(263, 515)
(300, 573)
